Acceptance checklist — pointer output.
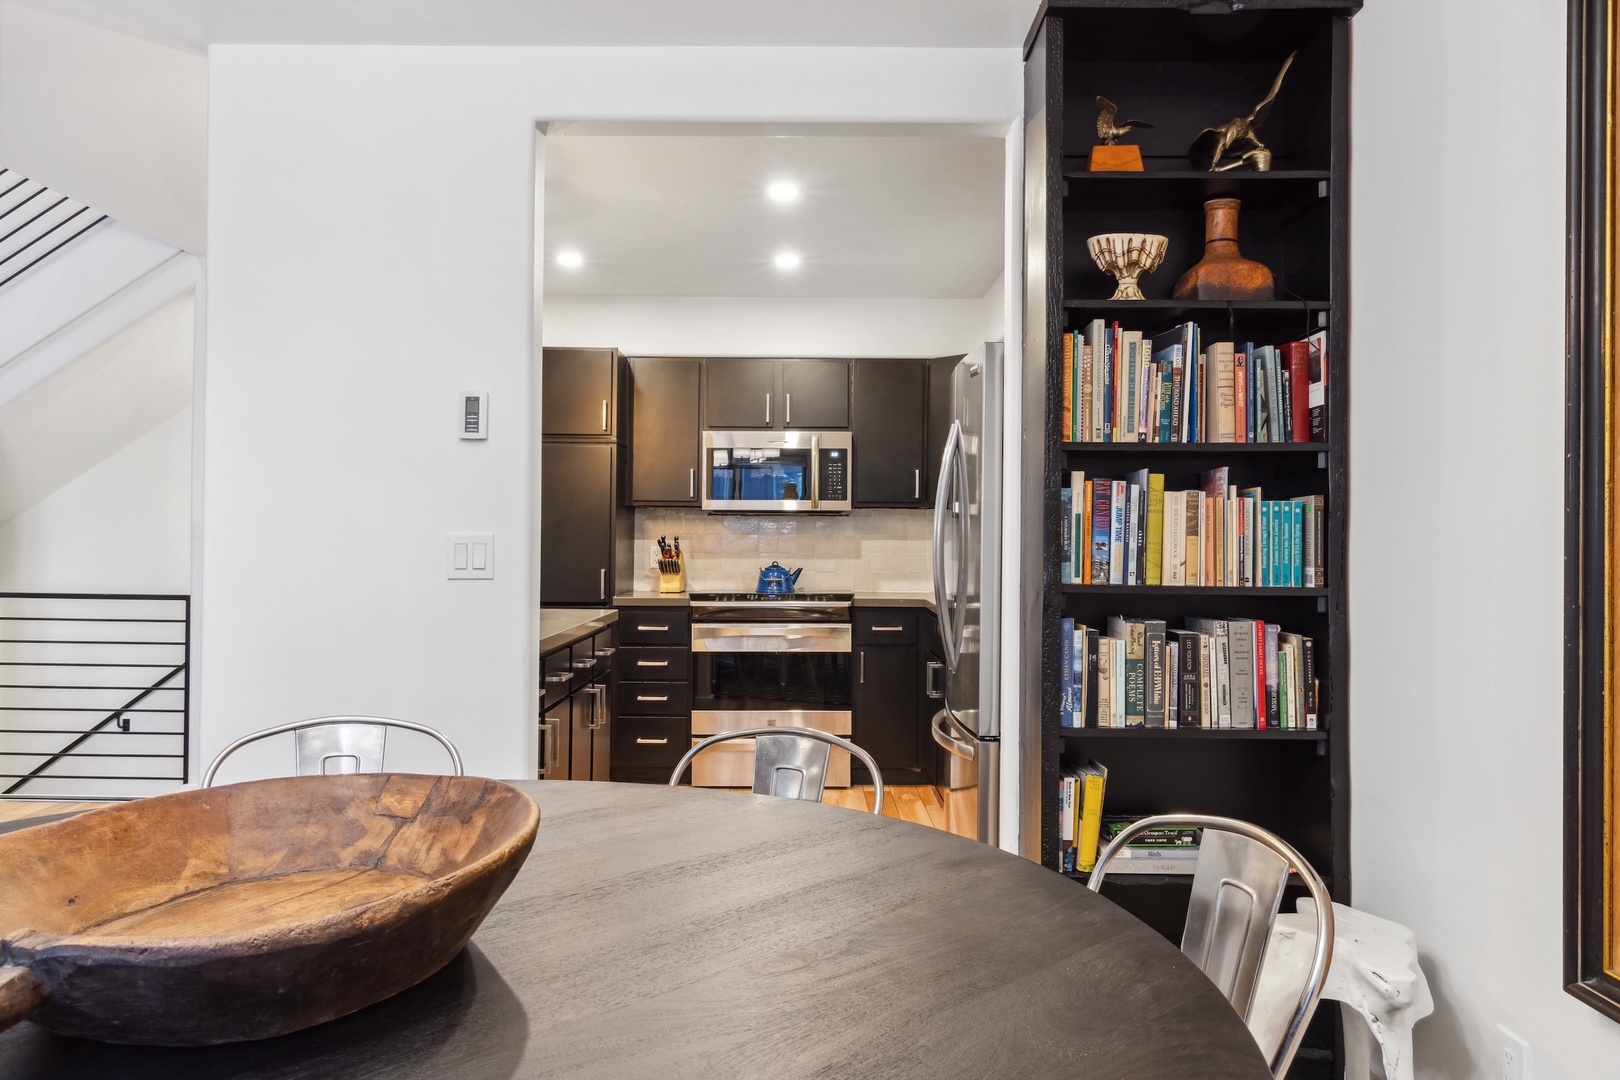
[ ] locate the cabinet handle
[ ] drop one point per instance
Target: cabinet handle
(652, 663)
(767, 410)
(652, 697)
(560, 678)
(549, 730)
(603, 584)
(916, 483)
(640, 627)
(652, 742)
(604, 414)
(605, 654)
(691, 483)
(887, 629)
(863, 666)
(582, 665)
(787, 417)
(598, 721)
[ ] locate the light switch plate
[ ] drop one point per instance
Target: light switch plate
(472, 555)
(474, 415)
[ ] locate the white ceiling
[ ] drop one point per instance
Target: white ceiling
(196, 24)
(896, 216)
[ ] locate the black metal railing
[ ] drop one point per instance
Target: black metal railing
(94, 694)
(36, 223)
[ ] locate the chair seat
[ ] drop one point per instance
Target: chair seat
(1373, 972)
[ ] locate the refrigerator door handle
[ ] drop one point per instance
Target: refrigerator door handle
(947, 621)
(949, 740)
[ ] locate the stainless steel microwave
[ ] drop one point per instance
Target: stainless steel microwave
(777, 471)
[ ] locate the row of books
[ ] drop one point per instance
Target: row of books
(1084, 831)
(1134, 532)
(1121, 386)
(1211, 674)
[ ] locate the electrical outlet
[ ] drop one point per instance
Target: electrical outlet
(1512, 1055)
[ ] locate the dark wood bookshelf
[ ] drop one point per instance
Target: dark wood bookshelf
(1196, 449)
(1190, 733)
(1176, 65)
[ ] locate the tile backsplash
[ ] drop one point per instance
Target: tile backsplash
(864, 551)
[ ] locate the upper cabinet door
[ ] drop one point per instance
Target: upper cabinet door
(581, 393)
(739, 394)
(577, 522)
(665, 431)
(890, 402)
(941, 373)
(815, 394)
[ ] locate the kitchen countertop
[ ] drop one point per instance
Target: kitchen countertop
(647, 598)
(564, 626)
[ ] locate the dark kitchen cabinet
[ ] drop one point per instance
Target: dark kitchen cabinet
(665, 419)
(740, 394)
(584, 394)
(776, 394)
(653, 717)
(577, 709)
(556, 740)
(585, 529)
(815, 394)
(885, 700)
(592, 732)
(889, 409)
(940, 372)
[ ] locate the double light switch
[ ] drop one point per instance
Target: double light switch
(472, 555)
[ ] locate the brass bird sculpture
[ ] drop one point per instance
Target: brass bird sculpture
(1213, 144)
(1107, 130)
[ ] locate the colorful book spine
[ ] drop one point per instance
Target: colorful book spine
(1298, 354)
(1102, 518)
(1065, 673)
(1155, 530)
(1066, 535)
(1116, 535)
(1316, 374)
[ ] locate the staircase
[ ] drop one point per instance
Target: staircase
(36, 222)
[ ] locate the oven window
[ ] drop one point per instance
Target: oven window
(801, 680)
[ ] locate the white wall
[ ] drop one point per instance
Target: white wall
(1456, 547)
(113, 121)
(761, 326)
(122, 527)
(346, 315)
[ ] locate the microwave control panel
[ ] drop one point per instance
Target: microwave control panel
(834, 475)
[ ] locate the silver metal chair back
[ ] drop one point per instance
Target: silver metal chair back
(789, 763)
(1237, 889)
(331, 745)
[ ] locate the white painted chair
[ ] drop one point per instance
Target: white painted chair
(1373, 975)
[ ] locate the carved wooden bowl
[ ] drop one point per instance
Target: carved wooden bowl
(252, 910)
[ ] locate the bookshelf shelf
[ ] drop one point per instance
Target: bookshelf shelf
(1176, 69)
(1193, 590)
(1197, 449)
(1191, 734)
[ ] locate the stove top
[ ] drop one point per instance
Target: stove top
(773, 598)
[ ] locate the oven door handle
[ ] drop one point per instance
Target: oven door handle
(949, 739)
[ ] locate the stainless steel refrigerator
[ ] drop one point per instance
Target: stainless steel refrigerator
(967, 592)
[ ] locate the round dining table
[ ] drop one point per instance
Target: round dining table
(671, 932)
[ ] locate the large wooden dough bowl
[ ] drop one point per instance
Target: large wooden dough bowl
(252, 910)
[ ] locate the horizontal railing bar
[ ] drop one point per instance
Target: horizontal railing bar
(47, 753)
(75, 686)
(84, 708)
(83, 618)
(76, 663)
(80, 731)
(78, 776)
(79, 641)
(91, 596)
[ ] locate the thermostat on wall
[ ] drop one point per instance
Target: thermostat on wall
(474, 416)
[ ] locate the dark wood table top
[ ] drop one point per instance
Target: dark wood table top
(663, 933)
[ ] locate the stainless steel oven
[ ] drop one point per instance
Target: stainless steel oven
(777, 471)
(768, 661)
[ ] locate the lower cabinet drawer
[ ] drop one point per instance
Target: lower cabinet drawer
(651, 698)
(649, 741)
(655, 663)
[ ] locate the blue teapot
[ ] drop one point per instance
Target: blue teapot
(777, 578)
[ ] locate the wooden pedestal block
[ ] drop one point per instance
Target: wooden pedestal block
(1116, 159)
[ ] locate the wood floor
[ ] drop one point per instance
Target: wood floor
(17, 809)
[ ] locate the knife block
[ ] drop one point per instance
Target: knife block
(673, 583)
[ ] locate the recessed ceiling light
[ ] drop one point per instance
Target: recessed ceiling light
(787, 260)
(783, 191)
(571, 259)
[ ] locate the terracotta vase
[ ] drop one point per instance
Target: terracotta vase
(1223, 273)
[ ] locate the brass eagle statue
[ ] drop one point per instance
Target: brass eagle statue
(1213, 144)
(1107, 130)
